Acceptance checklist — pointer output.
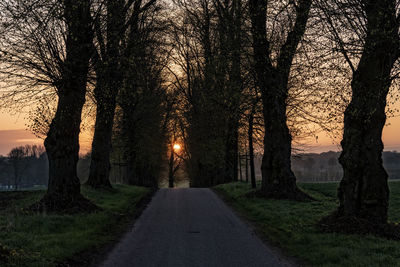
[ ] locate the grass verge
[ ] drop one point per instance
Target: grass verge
(65, 240)
(290, 226)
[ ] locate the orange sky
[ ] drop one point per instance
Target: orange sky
(12, 134)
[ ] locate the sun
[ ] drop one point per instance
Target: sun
(177, 147)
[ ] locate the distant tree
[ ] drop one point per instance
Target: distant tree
(174, 163)
(20, 158)
(17, 158)
(140, 132)
(207, 67)
(108, 63)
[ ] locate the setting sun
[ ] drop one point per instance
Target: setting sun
(177, 147)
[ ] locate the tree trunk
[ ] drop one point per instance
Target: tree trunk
(171, 169)
(231, 153)
(101, 146)
(251, 149)
(247, 167)
(109, 81)
(278, 180)
(16, 175)
(364, 191)
(240, 168)
(62, 142)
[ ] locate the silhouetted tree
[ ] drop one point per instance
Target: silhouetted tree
(21, 158)
(208, 44)
(48, 56)
(142, 99)
(62, 141)
(108, 64)
(17, 158)
(272, 79)
(364, 191)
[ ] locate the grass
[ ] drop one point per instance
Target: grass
(48, 240)
(291, 226)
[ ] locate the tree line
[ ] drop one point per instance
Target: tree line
(24, 167)
(215, 75)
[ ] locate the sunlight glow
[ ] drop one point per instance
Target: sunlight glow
(177, 147)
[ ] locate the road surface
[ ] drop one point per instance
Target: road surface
(190, 227)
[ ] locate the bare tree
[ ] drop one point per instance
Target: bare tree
(372, 40)
(46, 53)
(278, 178)
(17, 158)
(142, 101)
(109, 60)
(62, 141)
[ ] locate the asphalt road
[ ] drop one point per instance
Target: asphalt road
(190, 227)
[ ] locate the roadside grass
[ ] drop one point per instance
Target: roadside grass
(290, 226)
(50, 239)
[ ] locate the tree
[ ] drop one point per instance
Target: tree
(363, 191)
(142, 102)
(278, 180)
(108, 67)
(62, 141)
(230, 33)
(174, 163)
(46, 55)
(22, 156)
(208, 37)
(251, 147)
(17, 158)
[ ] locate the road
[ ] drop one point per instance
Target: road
(190, 227)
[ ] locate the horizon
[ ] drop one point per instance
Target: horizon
(13, 133)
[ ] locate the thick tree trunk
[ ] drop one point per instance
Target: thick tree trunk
(364, 191)
(62, 142)
(278, 180)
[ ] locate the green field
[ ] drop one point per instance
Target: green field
(48, 240)
(291, 226)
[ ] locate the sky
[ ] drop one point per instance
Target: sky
(390, 137)
(13, 133)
